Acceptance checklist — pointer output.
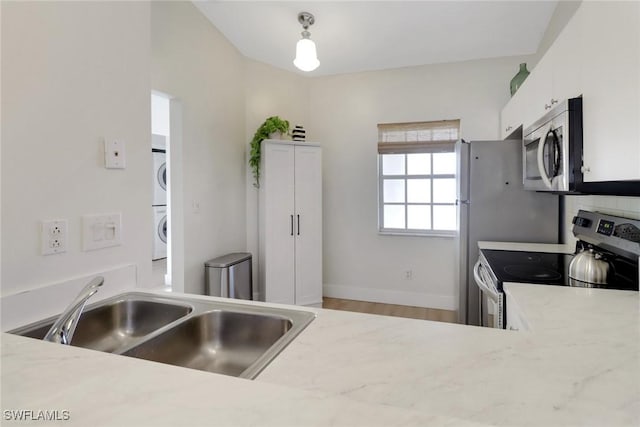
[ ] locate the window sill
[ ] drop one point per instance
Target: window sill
(443, 234)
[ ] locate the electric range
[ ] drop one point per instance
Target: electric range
(618, 239)
(543, 268)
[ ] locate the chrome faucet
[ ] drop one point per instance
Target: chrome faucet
(63, 328)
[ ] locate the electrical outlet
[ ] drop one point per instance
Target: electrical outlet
(408, 274)
(53, 237)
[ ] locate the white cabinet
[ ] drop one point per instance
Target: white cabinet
(596, 56)
(531, 101)
(511, 116)
(611, 96)
(566, 63)
(556, 77)
(537, 91)
(290, 223)
(516, 320)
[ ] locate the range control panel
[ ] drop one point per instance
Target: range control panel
(617, 234)
(605, 227)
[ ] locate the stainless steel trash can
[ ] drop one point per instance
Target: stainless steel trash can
(229, 276)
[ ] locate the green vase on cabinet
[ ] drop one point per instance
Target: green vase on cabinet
(519, 78)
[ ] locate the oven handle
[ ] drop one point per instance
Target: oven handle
(541, 144)
(482, 285)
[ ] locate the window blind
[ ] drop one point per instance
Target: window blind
(418, 137)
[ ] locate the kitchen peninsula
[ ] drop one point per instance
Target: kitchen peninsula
(577, 365)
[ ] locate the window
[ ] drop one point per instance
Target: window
(417, 177)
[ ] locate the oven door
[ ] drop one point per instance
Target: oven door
(491, 300)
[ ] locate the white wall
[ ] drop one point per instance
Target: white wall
(358, 262)
(562, 14)
(269, 92)
(73, 73)
(193, 62)
(160, 115)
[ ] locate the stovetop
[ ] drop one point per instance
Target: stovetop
(548, 269)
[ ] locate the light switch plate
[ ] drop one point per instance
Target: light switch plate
(101, 231)
(114, 154)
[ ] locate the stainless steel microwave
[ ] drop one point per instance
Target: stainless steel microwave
(552, 149)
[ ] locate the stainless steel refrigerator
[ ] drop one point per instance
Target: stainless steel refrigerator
(494, 206)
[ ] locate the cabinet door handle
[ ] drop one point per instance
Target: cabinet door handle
(291, 224)
(546, 107)
(554, 101)
(298, 225)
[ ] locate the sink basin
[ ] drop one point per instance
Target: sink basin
(228, 338)
(115, 325)
(224, 342)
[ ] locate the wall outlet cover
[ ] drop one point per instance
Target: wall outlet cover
(53, 237)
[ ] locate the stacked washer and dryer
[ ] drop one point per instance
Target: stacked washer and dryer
(160, 222)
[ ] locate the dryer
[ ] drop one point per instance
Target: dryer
(160, 232)
(159, 177)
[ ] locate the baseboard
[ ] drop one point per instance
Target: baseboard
(385, 296)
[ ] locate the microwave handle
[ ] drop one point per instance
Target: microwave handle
(541, 144)
(482, 285)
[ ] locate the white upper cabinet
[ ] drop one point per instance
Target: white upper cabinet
(596, 56)
(566, 61)
(511, 116)
(611, 96)
(556, 77)
(538, 91)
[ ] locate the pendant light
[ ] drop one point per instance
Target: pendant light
(306, 55)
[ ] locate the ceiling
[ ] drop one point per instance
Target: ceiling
(354, 36)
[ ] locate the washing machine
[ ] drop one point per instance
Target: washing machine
(160, 232)
(159, 177)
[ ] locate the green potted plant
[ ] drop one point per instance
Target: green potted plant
(271, 125)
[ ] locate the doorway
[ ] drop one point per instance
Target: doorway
(161, 196)
(166, 129)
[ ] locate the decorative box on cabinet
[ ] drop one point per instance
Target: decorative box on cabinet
(290, 223)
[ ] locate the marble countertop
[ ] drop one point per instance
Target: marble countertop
(100, 389)
(579, 365)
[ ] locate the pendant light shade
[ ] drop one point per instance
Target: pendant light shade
(306, 55)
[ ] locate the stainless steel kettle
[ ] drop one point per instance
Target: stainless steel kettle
(588, 269)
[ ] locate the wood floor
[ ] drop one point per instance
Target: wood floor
(390, 309)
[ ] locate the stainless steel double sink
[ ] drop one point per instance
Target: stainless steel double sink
(222, 337)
